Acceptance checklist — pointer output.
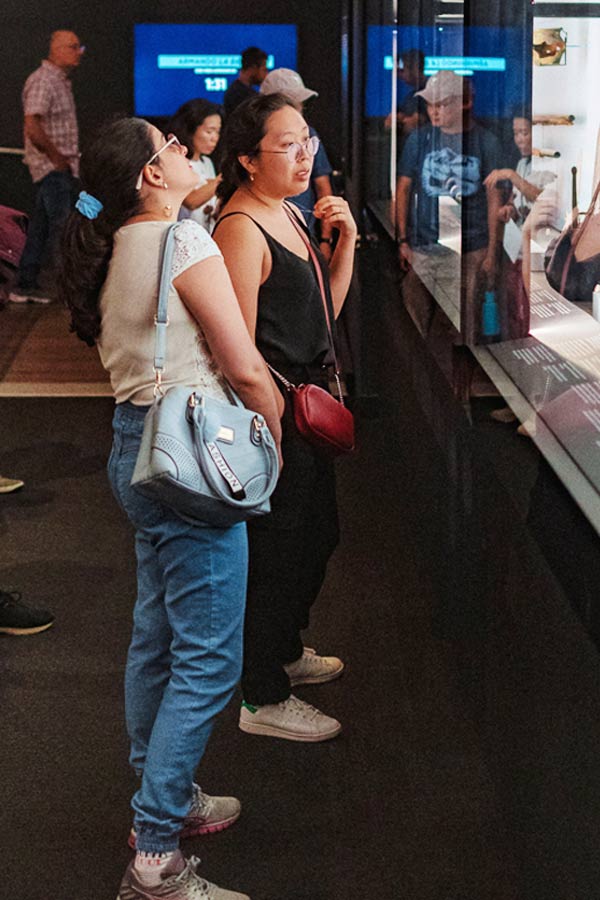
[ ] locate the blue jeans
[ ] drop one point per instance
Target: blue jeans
(54, 199)
(185, 655)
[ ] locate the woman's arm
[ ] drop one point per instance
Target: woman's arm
(529, 191)
(335, 212)
(202, 194)
(207, 291)
(248, 262)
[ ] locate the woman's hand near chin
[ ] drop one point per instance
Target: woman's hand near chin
(335, 212)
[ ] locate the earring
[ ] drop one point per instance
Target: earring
(251, 177)
(166, 186)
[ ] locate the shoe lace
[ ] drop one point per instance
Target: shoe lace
(200, 804)
(196, 887)
(301, 708)
(10, 598)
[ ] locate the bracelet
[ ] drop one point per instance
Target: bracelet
(403, 240)
(326, 241)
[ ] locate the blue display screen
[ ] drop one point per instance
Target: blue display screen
(496, 59)
(175, 63)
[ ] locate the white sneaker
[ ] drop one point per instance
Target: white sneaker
(8, 485)
(314, 669)
(292, 719)
(35, 295)
(206, 816)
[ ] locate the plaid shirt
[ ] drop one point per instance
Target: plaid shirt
(48, 93)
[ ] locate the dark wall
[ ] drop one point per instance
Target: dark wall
(103, 84)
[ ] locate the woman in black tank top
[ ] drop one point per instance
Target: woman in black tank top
(268, 157)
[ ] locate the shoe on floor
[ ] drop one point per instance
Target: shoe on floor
(292, 719)
(207, 815)
(16, 618)
(314, 669)
(175, 885)
(7, 485)
(504, 415)
(32, 295)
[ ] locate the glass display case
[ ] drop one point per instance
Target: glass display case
(483, 165)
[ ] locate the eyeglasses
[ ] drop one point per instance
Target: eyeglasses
(171, 141)
(295, 151)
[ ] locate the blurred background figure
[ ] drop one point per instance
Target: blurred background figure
(288, 82)
(251, 75)
(197, 125)
(412, 108)
(52, 155)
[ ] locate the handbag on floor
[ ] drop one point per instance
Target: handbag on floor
(320, 418)
(211, 462)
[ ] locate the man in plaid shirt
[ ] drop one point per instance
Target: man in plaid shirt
(52, 155)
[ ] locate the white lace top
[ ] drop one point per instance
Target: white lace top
(128, 305)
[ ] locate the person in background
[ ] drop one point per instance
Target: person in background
(412, 111)
(526, 184)
(516, 191)
(288, 82)
(185, 655)
(18, 619)
(450, 157)
(197, 125)
(268, 153)
(52, 156)
(252, 74)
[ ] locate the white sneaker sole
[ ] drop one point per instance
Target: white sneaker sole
(9, 488)
(274, 731)
(317, 679)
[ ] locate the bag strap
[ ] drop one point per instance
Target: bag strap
(161, 319)
(319, 273)
(578, 232)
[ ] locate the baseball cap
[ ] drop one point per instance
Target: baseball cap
(440, 86)
(286, 81)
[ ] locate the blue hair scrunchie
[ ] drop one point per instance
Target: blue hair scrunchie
(88, 206)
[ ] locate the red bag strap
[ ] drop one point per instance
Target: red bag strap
(319, 273)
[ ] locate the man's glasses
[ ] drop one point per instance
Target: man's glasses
(171, 141)
(295, 151)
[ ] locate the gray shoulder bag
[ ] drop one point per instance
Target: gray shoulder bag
(211, 462)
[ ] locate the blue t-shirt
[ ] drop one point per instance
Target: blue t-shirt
(307, 199)
(449, 164)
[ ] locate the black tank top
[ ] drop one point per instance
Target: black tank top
(291, 330)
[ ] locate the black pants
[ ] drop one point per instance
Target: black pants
(289, 551)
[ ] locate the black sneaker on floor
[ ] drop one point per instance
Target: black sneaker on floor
(16, 618)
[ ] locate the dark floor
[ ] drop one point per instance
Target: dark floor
(467, 768)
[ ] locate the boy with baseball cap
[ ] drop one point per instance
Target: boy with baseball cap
(451, 156)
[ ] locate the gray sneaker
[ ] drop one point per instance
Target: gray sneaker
(314, 669)
(182, 885)
(207, 814)
(292, 719)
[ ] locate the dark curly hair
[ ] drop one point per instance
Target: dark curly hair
(110, 167)
(187, 119)
(244, 130)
